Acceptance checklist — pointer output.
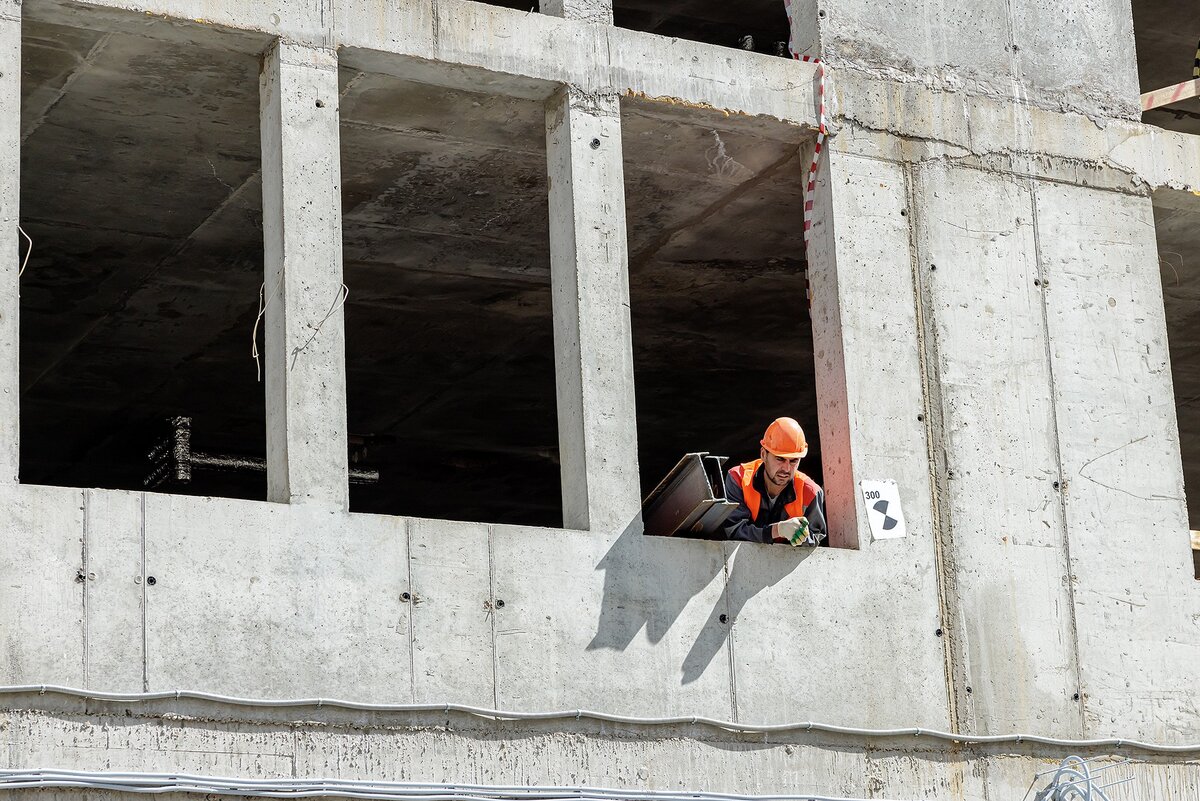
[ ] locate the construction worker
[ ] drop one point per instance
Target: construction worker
(776, 502)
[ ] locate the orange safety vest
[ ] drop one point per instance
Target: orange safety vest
(806, 491)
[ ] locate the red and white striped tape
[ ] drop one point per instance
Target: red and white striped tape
(810, 188)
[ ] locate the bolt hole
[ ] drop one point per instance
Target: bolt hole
(151, 580)
(1075, 697)
(404, 596)
(499, 603)
(903, 212)
(920, 418)
(932, 267)
(821, 13)
(724, 618)
(969, 691)
(320, 104)
(595, 144)
(937, 633)
(1037, 282)
(1056, 485)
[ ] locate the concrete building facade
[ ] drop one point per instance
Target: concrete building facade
(988, 331)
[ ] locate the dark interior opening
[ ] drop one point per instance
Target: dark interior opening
(722, 338)
(710, 21)
(1177, 226)
(140, 190)
(449, 333)
(1167, 33)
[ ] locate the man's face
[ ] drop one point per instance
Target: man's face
(777, 471)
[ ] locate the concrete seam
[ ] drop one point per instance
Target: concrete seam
(87, 656)
(412, 610)
(145, 654)
(1062, 487)
(491, 530)
(80, 68)
(733, 704)
(436, 26)
(927, 356)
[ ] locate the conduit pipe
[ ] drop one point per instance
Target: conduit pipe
(584, 714)
(345, 788)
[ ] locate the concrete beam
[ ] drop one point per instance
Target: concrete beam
(471, 45)
(302, 229)
(589, 266)
(10, 250)
(594, 11)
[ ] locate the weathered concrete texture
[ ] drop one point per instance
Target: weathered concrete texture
(996, 454)
(304, 357)
(114, 604)
(223, 613)
(906, 121)
(43, 592)
(1067, 56)
(11, 247)
(598, 12)
(1119, 446)
(589, 269)
(318, 743)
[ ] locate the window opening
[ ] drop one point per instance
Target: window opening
(757, 25)
(1177, 226)
(140, 192)
(722, 337)
(449, 332)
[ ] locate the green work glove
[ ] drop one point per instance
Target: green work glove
(794, 530)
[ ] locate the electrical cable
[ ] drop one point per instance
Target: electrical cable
(28, 252)
(578, 714)
(350, 788)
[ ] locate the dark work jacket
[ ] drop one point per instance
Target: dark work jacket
(739, 526)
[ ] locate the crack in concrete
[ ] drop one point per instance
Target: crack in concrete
(968, 151)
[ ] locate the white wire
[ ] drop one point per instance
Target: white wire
(495, 714)
(28, 252)
(342, 788)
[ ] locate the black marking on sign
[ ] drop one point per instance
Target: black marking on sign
(889, 523)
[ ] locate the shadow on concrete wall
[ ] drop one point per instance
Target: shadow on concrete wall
(649, 581)
(755, 567)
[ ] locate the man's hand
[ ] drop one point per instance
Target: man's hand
(793, 530)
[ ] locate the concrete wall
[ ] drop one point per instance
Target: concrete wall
(1076, 56)
(604, 620)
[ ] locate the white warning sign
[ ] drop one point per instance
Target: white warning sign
(882, 499)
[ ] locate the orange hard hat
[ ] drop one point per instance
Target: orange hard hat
(785, 439)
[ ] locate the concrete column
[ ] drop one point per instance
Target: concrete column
(10, 200)
(597, 425)
(598, 11)
(869, 387)
(302, 229)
